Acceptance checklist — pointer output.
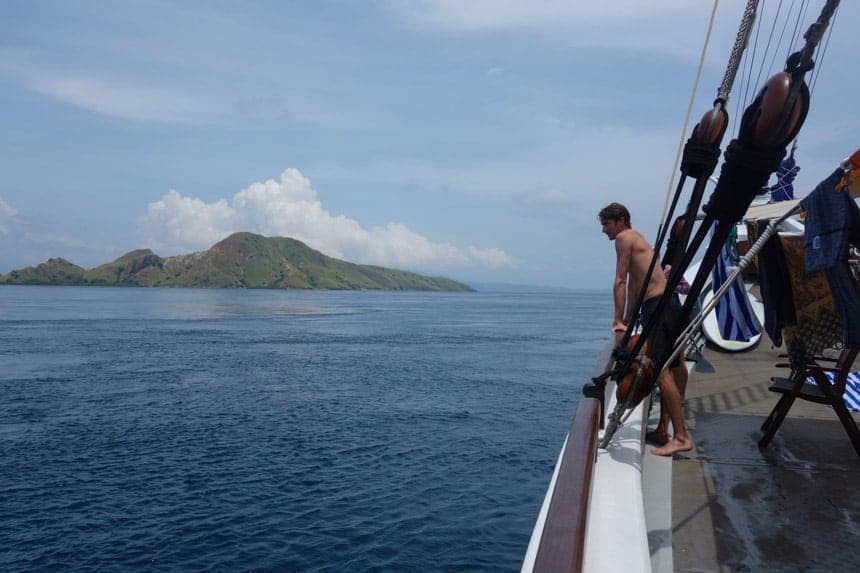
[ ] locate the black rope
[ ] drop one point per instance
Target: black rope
(699, 159)
(745, 171)
(815, 32)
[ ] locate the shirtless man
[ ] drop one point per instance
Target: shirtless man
(633, 257)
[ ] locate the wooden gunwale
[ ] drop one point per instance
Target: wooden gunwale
(562, 542)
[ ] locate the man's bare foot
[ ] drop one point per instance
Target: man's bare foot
(674, 446)
(657, 437)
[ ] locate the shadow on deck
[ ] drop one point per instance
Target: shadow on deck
(794, 506)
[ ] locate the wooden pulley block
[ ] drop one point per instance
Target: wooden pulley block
(712, 126)
(776, 123)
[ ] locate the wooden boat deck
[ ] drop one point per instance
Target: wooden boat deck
(735, 507)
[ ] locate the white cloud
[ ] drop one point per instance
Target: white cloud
(139, 96)
(118, 97)
(493, 14)
(290, 207)
(639, 25)
(175, 222)
(7, 217)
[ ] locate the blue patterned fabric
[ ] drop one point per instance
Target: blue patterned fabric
(852, 390)
(830, 216)
(783, 189)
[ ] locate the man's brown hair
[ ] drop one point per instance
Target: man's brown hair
(615, 212)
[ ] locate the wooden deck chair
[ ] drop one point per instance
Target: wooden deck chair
(818, 328)
(823, 391)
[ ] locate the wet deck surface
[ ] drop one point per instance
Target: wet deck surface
(794, 506)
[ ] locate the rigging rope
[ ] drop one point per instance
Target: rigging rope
(735, 58)
(768, 125)
(777, 50)
(752, 60)
(767, 46)
(741, 41)
(690, 108)
(822, 52)
(797, 28)
(700, 156)
(755, 154)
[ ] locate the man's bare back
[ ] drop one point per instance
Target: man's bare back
(633, 257)
(630, 244)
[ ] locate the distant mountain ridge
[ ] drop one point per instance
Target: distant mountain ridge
(242, 260)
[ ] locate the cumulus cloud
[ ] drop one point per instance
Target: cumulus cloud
(7, 217)
(177, 221)
(290, 207)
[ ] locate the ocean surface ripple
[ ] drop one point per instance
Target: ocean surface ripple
(233, 430)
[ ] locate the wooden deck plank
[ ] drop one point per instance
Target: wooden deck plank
(792, 506)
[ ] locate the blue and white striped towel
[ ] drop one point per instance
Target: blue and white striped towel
(735, 315)
(852, 390)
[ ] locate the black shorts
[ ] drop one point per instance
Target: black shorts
(663, 335)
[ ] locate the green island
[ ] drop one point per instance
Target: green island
(242, 260)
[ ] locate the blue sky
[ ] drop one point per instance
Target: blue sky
(471, 139)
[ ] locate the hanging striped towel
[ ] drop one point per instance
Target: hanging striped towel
(852, 390)
(735, 315)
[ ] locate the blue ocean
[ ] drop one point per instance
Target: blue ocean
(237, 430)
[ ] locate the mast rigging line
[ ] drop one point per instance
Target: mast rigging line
(741, 41)
(767, 46)
(690, 109)
(782, 33)
(768, 125)
(804, 7)
(735, 57)
(750, 59)
(822, 51)
(701, 155)
(728, 203)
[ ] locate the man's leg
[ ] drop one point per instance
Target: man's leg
(671, 398)
(680, 375)
(660, 434)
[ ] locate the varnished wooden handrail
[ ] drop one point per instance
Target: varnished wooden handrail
(562, 543)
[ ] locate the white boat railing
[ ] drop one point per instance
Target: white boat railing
(592, 517)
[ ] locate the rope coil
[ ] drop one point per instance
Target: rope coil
(700, 159)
